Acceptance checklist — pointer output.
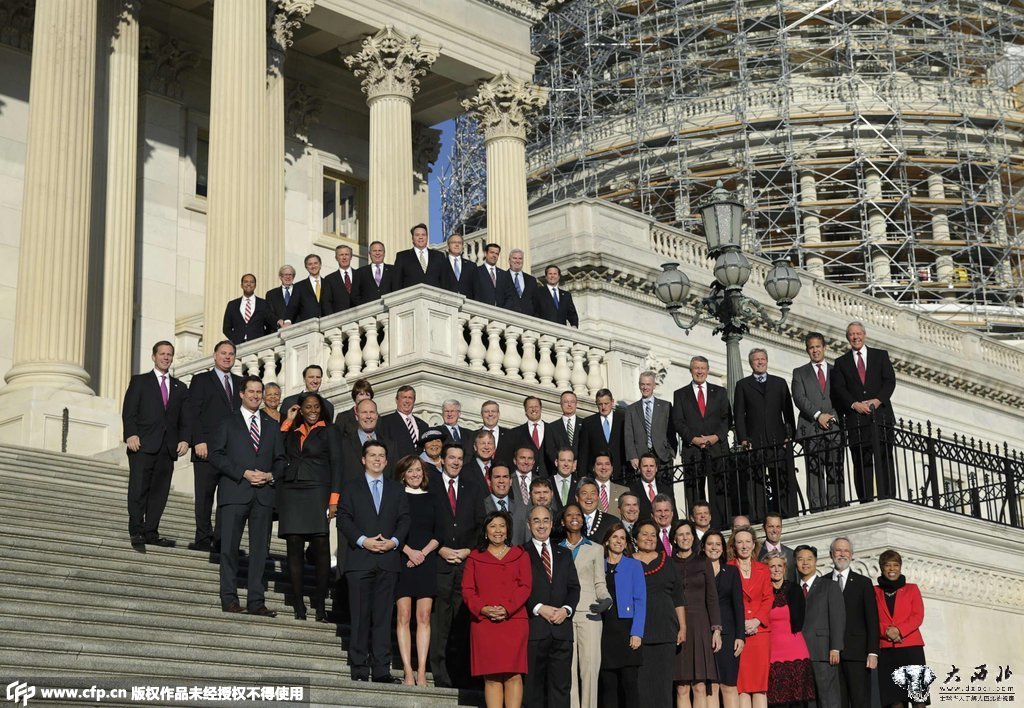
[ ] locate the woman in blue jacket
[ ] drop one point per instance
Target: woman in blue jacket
(623, 624)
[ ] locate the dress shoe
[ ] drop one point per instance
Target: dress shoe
(201, 546)
(160, 541)
(300, 612)
(359, 677)
(139, 543)
(386, 678)
(233, 608)
(321, 615)
(263, 612)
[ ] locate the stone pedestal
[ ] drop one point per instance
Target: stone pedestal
(33, 416)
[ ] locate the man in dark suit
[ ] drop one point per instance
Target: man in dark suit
(451, 411)
(523, 473)
(649, 426)
(533, 434)
(493, 285)
(772, 527)
(312, 378)
(490, 414)
(604, 432)
(816, 427)
(402, 427)
(248, 453)
(375, 279)
(648, 486)
(860, 640)
(339, 286)
(862, 385)
(480, 463)
(524, 285)
(459, 273)
(306, 302)
(700, 415)
(459, 520)
(248, 317)
(764, 419)
(419, 264)
(156, 430)
(554, 304)
(554, 595)
(595, 521)
(212, 397)
(629, 515)
(353, 439)
(280, 298)
(502, 499)
(374, 519)
(564, 431)
(824, 626)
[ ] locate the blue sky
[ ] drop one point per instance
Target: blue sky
(434, 182)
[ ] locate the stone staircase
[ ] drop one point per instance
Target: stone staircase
(77, 602)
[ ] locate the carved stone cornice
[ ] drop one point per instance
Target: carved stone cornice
(301, 110)
(16, 21)
(391, 63)
(283, 18)
(503, 104)
(164, 62)
(524, 9)
(426, 146)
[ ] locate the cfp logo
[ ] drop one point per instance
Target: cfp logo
(916, 679)
(19, 692)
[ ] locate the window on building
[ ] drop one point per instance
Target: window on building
(343, 206)
(202, 161)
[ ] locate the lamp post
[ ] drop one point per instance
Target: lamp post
(725, 304)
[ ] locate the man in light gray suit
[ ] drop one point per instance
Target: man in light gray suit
(818, 428)
(501, 499)
(824, 626)
(649, 426)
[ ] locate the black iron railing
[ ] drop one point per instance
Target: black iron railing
(905, 461)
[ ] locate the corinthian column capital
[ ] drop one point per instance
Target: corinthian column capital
(391, 63)
(283, 18)
(503, 105)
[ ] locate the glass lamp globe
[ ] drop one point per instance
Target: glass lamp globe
(722, 214)
(782, 281)
(732, 269)
(672, 285)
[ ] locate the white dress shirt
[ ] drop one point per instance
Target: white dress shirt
(551, 554)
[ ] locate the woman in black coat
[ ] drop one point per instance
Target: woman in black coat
(304, 502)
(730, 605)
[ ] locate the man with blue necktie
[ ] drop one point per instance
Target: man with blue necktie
(280, 298)
(524, 285)
(554, 304)
(604, 432)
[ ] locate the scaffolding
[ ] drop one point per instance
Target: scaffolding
(879, 143)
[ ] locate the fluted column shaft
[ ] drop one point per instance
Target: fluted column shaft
(119, 234)
(881, 269)
(237, 229)
(811, 223)
(49, 331)
(503, 106)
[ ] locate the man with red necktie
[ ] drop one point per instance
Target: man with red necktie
(649, 486)
(701, 417)
(337, 289)
(862, 386)
(248, 317)
(817, 427)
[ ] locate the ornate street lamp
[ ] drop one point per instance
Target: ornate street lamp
(726, 305)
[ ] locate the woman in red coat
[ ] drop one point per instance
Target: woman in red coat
(495, 587)
(900, 615)
(752, 683)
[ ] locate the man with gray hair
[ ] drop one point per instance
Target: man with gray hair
(280, 298)
(524, 285)
(764, 419)
(451, 410)
(860, 638)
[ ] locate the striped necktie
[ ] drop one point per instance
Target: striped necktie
(254, 430)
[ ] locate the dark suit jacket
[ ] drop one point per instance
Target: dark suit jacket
(880, 383)
(556, 482)
(639, 488)
(520, 436)
(563, 590)
(861, 635)
(564, 313)
(352, 454)
(275, 298)
(763, 412)
(143, 414)
(556, 438)
(318, 459)
(231, 454)
(505, 444)
(365, 288)
(521, 303)
(333, 296)
(466, 439)
(208, 404)
(260, 323)
(689, 423)
(408, 271)
(497, 293)
(358, 517)
(293, 399)
(602, 522)
(465, 284)
(393, 428)
(824, 618)
(461, 530)
(304, 305)
(592, 441)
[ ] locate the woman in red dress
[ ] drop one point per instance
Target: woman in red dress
(495, 587)
(752, 682)
(791, 677)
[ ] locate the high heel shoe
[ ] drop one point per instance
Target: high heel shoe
(300, 612)
(321, 614)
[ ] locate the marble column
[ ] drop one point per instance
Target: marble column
(283, 18)
(390, 64)
(881, 269)
(814, 263)
(236, 231)
(119, 233)
(502, 106)
(940, 229)
(49, 330)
